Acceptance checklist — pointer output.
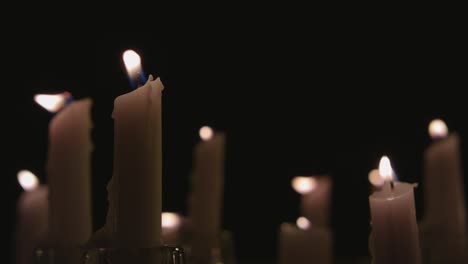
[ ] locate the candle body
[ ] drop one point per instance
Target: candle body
(69, 170)
(444, 230)
(206, 198)
(315, 205)
(135, 194)
(395, 235)
(32, 212)
(313, 245)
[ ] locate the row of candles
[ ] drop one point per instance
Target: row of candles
(59, 215)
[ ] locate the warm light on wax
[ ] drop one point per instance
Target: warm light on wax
(438, 129)
(303, 223)
(206, 133)
(51, 102)
(304, 185)
(27, 180)
(170, 220)
(385, 169)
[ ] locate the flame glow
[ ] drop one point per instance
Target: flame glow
(132, 62)
(206, 133)
(438, 129)
(375, 179)
(303, 223)
(385, 169)
(170, 220)
(51, 102)
(27, 180)
(304, 185)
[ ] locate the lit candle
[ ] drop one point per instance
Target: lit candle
(315, 202)
(444, 224)
(171, 224)
(32, 211)
(304, 243)
(395, 235)
(134, 192)
(205, 205)
(69, 170)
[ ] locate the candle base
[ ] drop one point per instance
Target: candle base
(163, 255)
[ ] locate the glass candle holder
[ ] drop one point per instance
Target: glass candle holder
(157, 255)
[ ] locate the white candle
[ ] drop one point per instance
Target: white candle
(444, 224)
(32, 213)
(206, 198)
(395, 235)
(69, 170)
(304, 243)
(135, 193)
(315, 202)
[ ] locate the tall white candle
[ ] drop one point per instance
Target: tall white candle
(32, 213)
(395, 235)
(135, 193)
(315, 198)
(207, 193)
(444, 222)
(69, 170)
(304, 243)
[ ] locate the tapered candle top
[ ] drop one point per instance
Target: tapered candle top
(304, 185)
(27, 180)
(438, 129)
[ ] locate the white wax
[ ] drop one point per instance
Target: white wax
(313, 245)
(135, 193)
(206, 200)
(315, 204)
(444, 231)
(31, 230)
(395, 235)
(69, 172)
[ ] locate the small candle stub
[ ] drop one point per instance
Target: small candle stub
(438, 129)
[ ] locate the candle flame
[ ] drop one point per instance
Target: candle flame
(52, 102)
(303, 223)
(375, 179)
(132, 63)
(206, 133)
(438, 129)
(385, 169)
(27, 180)
(170, 220)
(303, 184)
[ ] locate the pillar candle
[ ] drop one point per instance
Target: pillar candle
(444, 221)
(206, 198)
(69, 171)
(395, 235)
(304, 244)
(315, 198)
(32, 215)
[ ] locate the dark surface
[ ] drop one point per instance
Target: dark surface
(292, 103)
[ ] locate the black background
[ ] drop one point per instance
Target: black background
(293, 101)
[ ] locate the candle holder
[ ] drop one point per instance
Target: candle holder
(163, 255)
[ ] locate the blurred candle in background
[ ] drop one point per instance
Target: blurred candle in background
(171, 224)
(32, 215)
(69, 169)
(395, 234)
(315, 198)
(206, 197)
(444, 222)
(304, 243)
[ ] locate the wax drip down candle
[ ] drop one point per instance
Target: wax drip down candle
(444, 222)
(32, 211)
(395, 235)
